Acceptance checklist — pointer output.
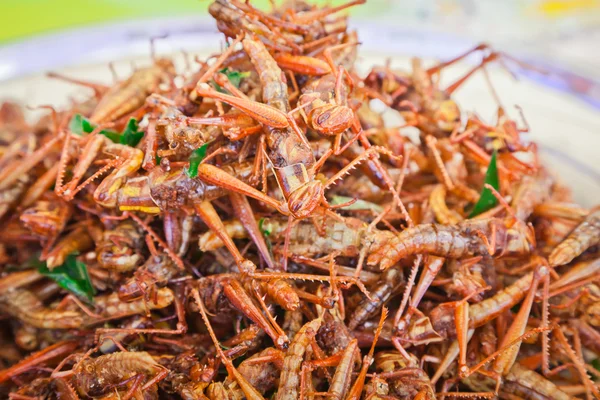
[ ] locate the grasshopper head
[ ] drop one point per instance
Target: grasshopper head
(331, 119)
(306, 198)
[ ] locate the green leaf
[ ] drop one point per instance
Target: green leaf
(114, 137)
(157, 159)
(79, 125)
(261, 226)
(596, 363)
(218, 87)
(73, 276)
(235, 77)
(266, 233)
(487, 199)
(195, 159)
(358, 205)
(131, 136)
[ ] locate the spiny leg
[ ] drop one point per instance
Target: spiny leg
(431, 142)
(174, 257)
(246, 387)
(357, 388)
(579, 364)
(408, 288)
(240, 299)
(94, 143)
(509, 346)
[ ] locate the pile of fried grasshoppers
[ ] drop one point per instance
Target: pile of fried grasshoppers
(250, 228)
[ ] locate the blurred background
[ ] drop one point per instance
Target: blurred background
(561, 35)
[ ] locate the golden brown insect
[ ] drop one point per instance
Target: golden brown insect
(96, 376)
(303, 190)
(424, 105)
(381, 292)
(215, 287)
(442, 316)
(47, 217)
(306, 239)
(156, 272)
(126, 161)
(289, 382)
(120, 247)
(24, 305)
(131, 94)
(291, 155)
(404, 381)
(532, 191)
(585, 235)
(528, 384)
(249, 391)
(466, 239)
(111, 306)
(443, 214)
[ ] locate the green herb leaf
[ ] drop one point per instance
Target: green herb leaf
(235, 77)
(157, 159)
(261, 225)
(487, 199)
(266, 233)
(79, 125)
(218, 87)
(73, 276)
(131, 136)
(114, 137)
(195, 159)
(358, 205)
(596, 363)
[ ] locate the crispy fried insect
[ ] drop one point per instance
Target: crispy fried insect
(466, 239)
(111, 306)
(306, 239)
(442, 316)
(380, 292)
(131, 93)
(289, 381)
(24, 305)
(96, 376)
(585, 235)
(119, 249)
(190, 216)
